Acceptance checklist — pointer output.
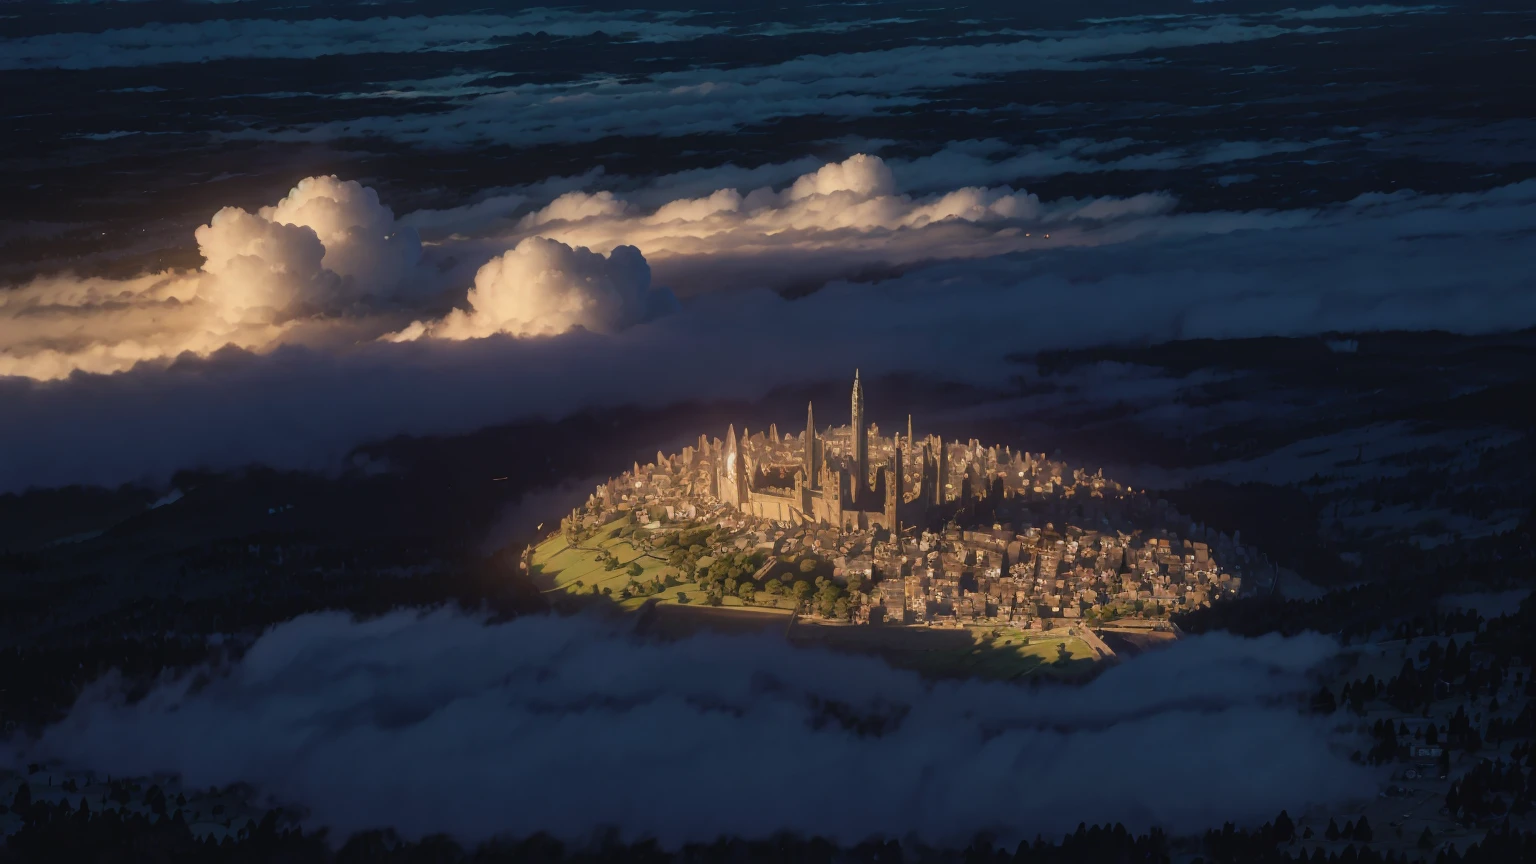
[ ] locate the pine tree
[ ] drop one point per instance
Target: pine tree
(1285, 829)
(1363, 830)
(1333, 830)
(1427, 839)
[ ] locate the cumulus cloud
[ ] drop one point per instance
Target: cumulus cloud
(331, 263)
(948, 286)
(329, 248)
(830, 222)
(544, 288)
(225, 39)
(441, 722)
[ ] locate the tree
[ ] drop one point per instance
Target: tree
(826, 600)
(807, 565)
(1323, 702)
(747, 592)
(840, 608)
(635, 569)
(801, 590)
(22, 799)
(1427, 839)
(1285, 829)
(774, 587)
(1362, 830)
(1333, 830)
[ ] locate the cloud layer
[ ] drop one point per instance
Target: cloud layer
(847, 85)
(224, 39)
(440, 722)
(945, 285)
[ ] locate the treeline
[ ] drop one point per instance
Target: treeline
(1353, 614)
(61, 832)
(1400, 594)
(145, 637)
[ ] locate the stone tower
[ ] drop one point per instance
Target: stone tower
(940, 471)
(812, 455)
(732, 473)
(860, 440)
(895, 495)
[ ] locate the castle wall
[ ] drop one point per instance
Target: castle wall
(781, 507)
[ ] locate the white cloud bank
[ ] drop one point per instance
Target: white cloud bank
(544, 288)
(330, 264)
(326, 249)
(949, 285)
(441, 723)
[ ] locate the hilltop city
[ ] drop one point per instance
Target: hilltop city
(865, 528)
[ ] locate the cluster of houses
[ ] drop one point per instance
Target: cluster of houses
(1017, 539)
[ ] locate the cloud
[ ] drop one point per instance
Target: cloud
(329, 263)
(443, 722)
(706, 100)
(327, 249)
(544, 288)
(830, 222)
(225, 39)
(995, 161)
(1331, 11)
(947, 286)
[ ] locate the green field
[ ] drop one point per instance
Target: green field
(960, 651)
(557, 566)
(957, 651)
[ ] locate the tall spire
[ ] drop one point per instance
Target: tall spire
(730, 471)
(812, 444)
(940, 472)
(909, 430)
(860, 440)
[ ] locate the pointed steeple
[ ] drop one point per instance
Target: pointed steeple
(812, 463)
(860, 440)
(730, 471)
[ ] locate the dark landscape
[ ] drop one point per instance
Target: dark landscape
(425, 432)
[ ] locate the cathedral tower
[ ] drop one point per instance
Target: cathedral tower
(940, 472)
(812, 455)
(732, 473)
(895, 495)
(860, 440)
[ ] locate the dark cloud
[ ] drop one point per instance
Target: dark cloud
(440, 722)
(693, 101)
(222, 39)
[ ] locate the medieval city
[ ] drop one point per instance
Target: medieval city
(849, 525)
